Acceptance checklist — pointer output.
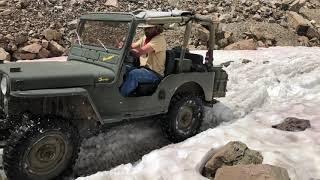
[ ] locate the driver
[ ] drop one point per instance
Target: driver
(151, 49)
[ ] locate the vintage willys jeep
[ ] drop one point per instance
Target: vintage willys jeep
(47, 107)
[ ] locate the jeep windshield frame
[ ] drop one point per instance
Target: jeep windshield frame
(110, 58)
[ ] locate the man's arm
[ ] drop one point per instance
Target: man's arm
(143, 50)
(135, 45)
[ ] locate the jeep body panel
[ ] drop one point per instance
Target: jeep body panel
(48, 75)
(114, 107)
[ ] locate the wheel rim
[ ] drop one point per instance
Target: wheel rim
(185, 118)
(46, 154)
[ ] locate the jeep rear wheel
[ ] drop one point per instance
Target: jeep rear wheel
(43, 149)
(184, 117)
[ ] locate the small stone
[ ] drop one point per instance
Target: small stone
(3, 3)
(6, 12)
(257, 17)
(223, 43)
(261, 44)
(9, 37)
(304, 41)
(225, 18)
(246, 61)
(204, 12)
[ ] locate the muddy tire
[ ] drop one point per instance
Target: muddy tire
(184, 117)
(41, 149)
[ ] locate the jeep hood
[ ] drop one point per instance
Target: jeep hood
(54, 74)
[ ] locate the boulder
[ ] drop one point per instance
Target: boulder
(20, 39)
(44, 43)
(313, 33)
(296, 5)
(43, 53)
(203, 34)
(56, 49)
(303, 41)
(293, 124)
(4, 56)
(299, 23)
(252, 172)
(233, 153)
(262, 34)
(225, 18)
(249, 44)
(257, 17)
(24, 56)
(51, 34)
(32, 48)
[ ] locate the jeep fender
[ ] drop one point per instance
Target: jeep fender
(198, 83)
(69, 103)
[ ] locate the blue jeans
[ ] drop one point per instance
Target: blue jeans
(136, 76)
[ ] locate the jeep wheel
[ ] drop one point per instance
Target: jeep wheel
(43, 149)
(184, 117)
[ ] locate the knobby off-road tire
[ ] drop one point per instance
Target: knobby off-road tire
(184, 117)
(41, 149)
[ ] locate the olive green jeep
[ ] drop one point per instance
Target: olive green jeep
(48, 107)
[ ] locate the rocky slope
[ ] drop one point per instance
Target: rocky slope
(31, 29)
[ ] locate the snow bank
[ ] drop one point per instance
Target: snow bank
(278, 83)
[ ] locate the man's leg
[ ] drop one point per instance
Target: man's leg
(135, 77)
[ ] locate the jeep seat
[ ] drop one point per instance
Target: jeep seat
(147, 89)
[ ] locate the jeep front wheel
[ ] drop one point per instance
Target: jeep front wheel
(43, 149)
(184, 117)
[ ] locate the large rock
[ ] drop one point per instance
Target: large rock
(233, 153)
(262, 34)
(43, 53)
(4, 56)
(203, 34)
(32, 48)
(51, 34)
(252, 172)
(313, 33)
(293, 5)
(299, 23)
(56, 49)
(24, 56)
(20, 39)
(293, 124)
(249, 44)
